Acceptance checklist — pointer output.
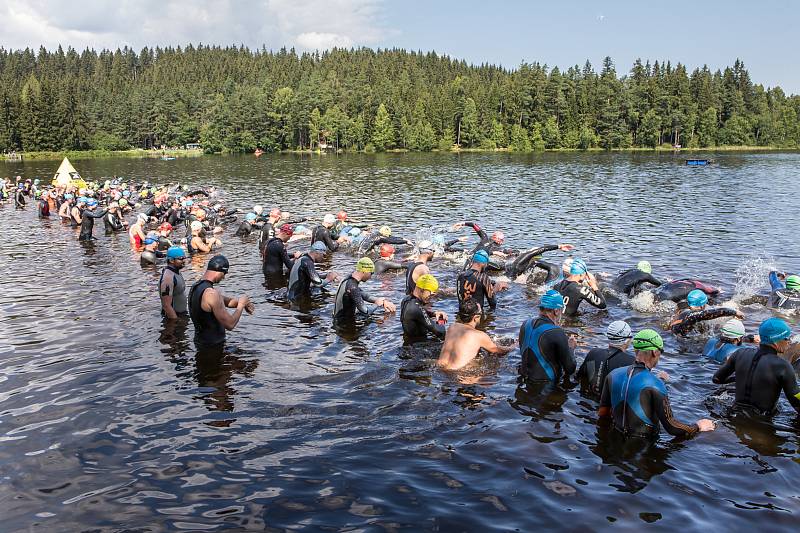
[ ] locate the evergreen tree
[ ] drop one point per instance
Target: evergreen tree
(383, 130)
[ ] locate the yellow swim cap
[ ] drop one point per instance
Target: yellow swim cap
(427, 282)
(365, 264)
(386, 231)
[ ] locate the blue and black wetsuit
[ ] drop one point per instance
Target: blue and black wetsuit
(781, 297)
(638, 401)
(630, 282)
(719, 348)
(546, 355)
(760, 376)
(208, 331)
(598, 364)
(477, 286)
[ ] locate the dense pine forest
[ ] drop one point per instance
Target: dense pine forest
(237, 100)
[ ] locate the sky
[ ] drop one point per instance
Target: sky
(559, 33)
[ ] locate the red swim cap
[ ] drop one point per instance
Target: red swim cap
(387, 250)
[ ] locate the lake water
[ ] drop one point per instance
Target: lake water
(109, 421)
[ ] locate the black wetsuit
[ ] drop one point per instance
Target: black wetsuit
(208, 331)
(679, 289)
(781, 297)
(477, 286)
(276, 257)
(546, 355)
(43, 208)
(177, 289)
(528, 259)
(149, 257)
(302, 276)
(597, 365)
(688, 320)
(87, 224)
(417, 321)
(19, 199)
(350, 299)
(638, 402)
(384, 265)
(410, 283)
(376, 239)
(574, 293)
(760, 376)
(112, 223)
(164, 244)
(631, 281)
(321, 233)
(244, 229)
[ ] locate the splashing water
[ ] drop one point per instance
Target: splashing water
(752, 276)
(645, 302)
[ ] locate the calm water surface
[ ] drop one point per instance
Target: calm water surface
(109, 421)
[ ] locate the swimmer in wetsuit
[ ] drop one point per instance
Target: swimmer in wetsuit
(420, 267)
(113, 222)
(547, 353)
(380, 237)
(785, 291)
(207, 306)
(419, 322)
(679, 289)
(350, 298)
(322, 233)
(87, 220)
(599, 362)
(637, 400)
(475, 284)
(43, 206)
(172, 287)
(275, 255)
(246, 227)
(579, 286)
(532, 259)
(304, 274)
(730, 339)
(386, 261)
(463, 340)
(761, 374)
(631, 281)
(150, 254)
(689, 320)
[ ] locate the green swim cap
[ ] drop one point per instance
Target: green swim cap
(793, 282)
(648, 340)
(645, 267)
(365, 265)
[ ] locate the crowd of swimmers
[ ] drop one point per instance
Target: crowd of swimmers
(172, 223)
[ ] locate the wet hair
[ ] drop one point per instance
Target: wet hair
(468, 310)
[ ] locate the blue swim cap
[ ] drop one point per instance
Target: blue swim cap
(250, 216)
(354, 232)
(175, 252)
(319, 246)
(126, 193)
(578, 267)
(69, 196)
(552, 299)
(91, 202)
(150, 240)
(481, 257)
(697, 298)
(773, 330)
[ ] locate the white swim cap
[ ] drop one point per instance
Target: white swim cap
(618, 331)
(258, 209)
(733, 329)
(329, 219)
(196, 225)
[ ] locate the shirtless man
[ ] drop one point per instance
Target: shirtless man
(463, 340)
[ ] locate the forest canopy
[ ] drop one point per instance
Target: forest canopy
(233, 99)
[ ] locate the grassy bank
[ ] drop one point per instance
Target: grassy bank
(96, 154)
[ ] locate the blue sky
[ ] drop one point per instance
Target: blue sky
(563, 33)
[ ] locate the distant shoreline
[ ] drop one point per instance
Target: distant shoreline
(143, 154)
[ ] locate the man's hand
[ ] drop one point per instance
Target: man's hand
(572, 341)
(566, 247)
(663, 376)
(456, 226)
(706, 425)
(243, 301)
(388, 306)
(739, 315)
(332, 276)
(501, 286)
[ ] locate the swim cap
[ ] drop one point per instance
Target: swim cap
(648, 340)
(427, 282)
(257, 209)
(425, 247)
(578, 267)
(188, 203)
(365, 264)
(36, 181)
(733, 329)
(480, 257)
(91, 203)
(499, 237)
(319, 247)
(250, 217)
(123, 202)
(697, 298)
(82, 200)
(126, 193)
(69, 196)
(166, 226)
(385, 231)
(618, 331)
(645, 267)
(200, 213)
(150, 240)
(342, 215)
(287, 229)
(175, 252)
(196, 225)
(142, 217)
(354, 232)
(387, 250)
(773, 330)
(329, 219)
(793, 282)
(566, 265)
(552, 299)
(218, 263)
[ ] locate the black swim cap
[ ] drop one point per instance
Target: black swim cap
(218, 263)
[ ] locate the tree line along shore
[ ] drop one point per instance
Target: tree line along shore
(234, 100)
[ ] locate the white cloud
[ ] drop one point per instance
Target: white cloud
(305, 24)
